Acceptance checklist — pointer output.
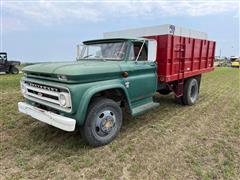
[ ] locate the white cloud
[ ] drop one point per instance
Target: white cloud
(13, 24)
(50, 13)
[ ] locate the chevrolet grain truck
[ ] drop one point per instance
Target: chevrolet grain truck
(123, 70)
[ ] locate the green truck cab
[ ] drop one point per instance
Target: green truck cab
(108, 76)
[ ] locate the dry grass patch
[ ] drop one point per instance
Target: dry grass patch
(170, 142)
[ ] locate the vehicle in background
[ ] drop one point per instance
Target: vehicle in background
(8, 66)
(120, 72)
(235, 61)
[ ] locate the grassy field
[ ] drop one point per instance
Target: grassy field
(170, 142)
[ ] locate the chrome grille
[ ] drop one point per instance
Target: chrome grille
(46, 95)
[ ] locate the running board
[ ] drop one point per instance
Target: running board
(140, 109)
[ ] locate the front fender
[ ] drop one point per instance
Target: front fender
(83, 106)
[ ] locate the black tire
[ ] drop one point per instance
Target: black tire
(14, 70)
(102, 111)
(164, 91)
(191, 91)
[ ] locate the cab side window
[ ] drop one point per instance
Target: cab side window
(134, 51)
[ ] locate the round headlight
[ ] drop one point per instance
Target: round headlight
(62, 99)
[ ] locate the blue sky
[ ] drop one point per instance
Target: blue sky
(34, 31)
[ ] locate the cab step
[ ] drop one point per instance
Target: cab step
(144, 106)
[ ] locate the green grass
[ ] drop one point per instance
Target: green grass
(170, 142)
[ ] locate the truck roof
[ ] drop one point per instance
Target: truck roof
(114, 39)
(157, 30)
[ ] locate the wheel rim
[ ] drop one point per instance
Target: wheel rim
(105, 123)
(193, 93)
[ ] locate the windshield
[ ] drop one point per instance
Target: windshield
(106, 51)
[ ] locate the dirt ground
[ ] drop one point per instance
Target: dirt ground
(169, 142)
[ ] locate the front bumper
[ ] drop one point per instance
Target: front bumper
(61, 122)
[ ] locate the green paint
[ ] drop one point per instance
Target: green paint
(85, 78)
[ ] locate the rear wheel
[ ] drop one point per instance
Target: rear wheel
(14, 70)
(103, 122)
(191, 91)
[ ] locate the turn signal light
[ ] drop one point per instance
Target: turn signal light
(125, 74)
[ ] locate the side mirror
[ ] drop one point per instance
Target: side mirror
(152, 50)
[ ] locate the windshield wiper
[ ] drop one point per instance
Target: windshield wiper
(87, 56)
(99, 58)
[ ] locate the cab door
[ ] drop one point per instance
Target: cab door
(141, 81)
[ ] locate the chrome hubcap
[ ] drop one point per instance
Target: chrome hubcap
(105, 123)
(193, 93)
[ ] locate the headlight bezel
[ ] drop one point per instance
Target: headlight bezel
(66, 101)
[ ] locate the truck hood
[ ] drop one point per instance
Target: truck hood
(83, 71)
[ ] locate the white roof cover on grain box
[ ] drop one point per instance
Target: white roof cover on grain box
(156, 30)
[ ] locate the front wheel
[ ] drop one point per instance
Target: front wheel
(103, 122)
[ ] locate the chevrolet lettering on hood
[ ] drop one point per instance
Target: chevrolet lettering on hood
(42, 86)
